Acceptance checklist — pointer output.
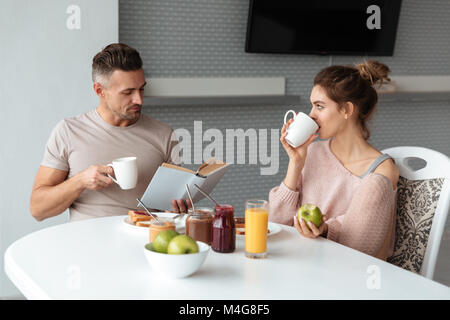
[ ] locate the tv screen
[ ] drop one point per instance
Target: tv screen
(350, 27)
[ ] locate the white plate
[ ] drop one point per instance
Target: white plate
(273, 228)
(179, 224)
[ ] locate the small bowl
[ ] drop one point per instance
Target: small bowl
(176, 265)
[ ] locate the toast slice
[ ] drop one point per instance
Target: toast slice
(136, 216)
(145, 224)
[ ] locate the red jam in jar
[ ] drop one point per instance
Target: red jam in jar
(223, 229)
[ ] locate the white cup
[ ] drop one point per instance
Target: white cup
(126, 172)
(300, 129)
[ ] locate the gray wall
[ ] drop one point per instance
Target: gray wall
(203, 38)
(45, 77)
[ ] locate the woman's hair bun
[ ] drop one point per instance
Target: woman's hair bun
(374, 71)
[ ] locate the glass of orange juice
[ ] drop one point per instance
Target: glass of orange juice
(256, 222)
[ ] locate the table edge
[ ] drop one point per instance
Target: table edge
(18, 277)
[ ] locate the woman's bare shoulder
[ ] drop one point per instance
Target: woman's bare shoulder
(390, 170)
(386, 168)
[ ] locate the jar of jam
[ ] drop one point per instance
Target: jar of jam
(156, 227)
(199, 224)
(223, 229)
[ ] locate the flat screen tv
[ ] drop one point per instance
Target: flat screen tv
(349, 27)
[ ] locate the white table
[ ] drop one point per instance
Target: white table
(103, 259)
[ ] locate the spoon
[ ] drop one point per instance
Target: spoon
(154, 217)
(190, 197)
(206, 195)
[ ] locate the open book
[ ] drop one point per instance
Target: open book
(169, 183)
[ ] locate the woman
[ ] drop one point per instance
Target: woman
(352, 183)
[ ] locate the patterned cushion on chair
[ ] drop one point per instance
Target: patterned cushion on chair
(416, 205)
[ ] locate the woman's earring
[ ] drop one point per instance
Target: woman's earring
(345, 117)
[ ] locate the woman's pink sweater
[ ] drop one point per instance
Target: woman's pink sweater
(360, 212)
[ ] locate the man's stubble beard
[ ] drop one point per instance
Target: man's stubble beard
(125, 116)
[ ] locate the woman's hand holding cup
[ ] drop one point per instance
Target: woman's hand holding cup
(298, 154)
(296, 135)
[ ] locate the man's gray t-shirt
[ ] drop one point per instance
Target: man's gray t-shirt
(79, 142)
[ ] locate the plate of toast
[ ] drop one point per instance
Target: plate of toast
(272, 228)
(140, 220)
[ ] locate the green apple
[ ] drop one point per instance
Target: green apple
(310, 212)
(182, 244)
(162, 240)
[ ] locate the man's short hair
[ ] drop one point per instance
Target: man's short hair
(116, 56)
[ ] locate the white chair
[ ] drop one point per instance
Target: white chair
(437, 166)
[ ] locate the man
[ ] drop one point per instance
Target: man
(73, 172)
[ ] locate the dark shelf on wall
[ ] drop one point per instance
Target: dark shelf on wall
(225, 100)
(438, 96)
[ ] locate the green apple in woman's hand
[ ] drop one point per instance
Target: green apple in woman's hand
(310, 212)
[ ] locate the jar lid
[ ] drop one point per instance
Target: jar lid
(202, 211)
(162, 221)
(224, 208)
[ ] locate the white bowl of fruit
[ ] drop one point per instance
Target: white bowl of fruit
(175, 255)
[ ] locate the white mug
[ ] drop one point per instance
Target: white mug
(300, 129)
(126, 172)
